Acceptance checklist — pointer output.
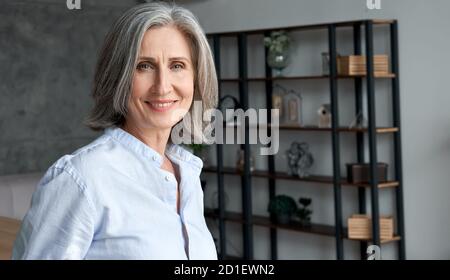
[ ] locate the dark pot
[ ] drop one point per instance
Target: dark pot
(283, 218)
(305, 223)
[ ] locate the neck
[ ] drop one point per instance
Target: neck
(154, 138)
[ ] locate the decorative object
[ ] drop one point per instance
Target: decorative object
(325, 63)
(324, 113)
(360, 227)
(228, 102)
(360, 172)
(278, 94)
(355, 65)
(293, 108)
(303, 213)
(281, 208)
(300, 159)
(358, 122)
(278, 55)
(241, 160)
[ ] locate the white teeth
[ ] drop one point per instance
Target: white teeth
(162, 105)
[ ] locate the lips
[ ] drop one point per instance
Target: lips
(161, 105)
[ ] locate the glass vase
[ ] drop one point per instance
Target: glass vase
(278, 60)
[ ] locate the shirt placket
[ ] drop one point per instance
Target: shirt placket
(185, 195)
(170, 187)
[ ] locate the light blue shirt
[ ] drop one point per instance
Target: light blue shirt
(111, 200)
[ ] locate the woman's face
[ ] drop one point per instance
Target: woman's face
(163, 81)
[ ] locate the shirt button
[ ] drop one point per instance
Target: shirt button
(154, 158)
(167, 178)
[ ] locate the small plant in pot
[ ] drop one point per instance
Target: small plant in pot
(200, 150)
(281, 208)
(303, 213)
(278, 46)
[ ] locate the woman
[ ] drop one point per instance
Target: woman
(132, 194)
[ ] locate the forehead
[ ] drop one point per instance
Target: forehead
(167, 40)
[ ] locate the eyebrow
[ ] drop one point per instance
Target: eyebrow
(152, 59)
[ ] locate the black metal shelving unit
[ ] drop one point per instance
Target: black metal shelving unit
(246, 218)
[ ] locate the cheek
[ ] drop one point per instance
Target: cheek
(188, 99)
(139, 87)
(188, 90)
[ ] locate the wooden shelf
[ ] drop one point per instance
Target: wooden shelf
(383, 241)
(383, 21)
(379, 130)
(395, 238)
(313, 178)
(308, 77)
(264, 221)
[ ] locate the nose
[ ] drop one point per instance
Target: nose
(162, 84)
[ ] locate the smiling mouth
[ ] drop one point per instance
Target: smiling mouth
(161, 106)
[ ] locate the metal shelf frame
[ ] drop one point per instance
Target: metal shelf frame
(246, 176)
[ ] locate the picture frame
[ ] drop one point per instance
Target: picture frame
(293, 109)
(278, 94)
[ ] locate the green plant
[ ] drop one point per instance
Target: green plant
(303, 213)
(282, 204)
(278, 41)
(196, 148)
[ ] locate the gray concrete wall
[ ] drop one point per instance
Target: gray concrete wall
(47, 60)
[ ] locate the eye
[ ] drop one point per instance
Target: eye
(178, 66)
(144, 66)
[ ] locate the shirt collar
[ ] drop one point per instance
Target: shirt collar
(173, 151)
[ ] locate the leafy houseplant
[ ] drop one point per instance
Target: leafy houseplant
(278, 42)
(303, 213)
(278, 45)
(196, 148)
(200, 151)
(281, 208)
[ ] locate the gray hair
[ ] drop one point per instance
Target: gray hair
(119, 56)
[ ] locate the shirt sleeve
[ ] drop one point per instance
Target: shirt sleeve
(59, 224)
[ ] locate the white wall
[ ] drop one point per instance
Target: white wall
(16, 192)
(423, 47)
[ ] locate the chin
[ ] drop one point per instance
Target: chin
(160, 124)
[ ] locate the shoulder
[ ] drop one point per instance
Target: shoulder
(85, 161)
(84, 155)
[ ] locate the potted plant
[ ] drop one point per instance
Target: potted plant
(281, 208)
(196, 148)
(200, 150)
(278, 44)
(303, 213)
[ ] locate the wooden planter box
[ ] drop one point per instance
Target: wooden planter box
(355, 65)
(360, 227)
